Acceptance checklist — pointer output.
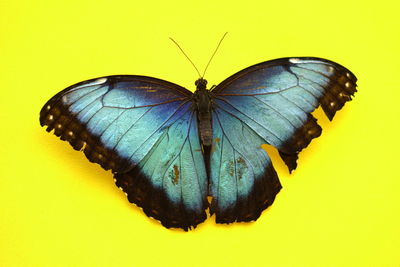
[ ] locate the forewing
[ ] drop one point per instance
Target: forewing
(144, 130)
(276, 98)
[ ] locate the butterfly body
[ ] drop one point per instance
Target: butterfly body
(169, 149)
(203, 100)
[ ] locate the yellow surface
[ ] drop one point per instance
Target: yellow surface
(339, 208)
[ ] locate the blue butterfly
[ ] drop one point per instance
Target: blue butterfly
(169, 149)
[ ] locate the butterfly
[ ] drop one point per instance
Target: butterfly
(170, 150)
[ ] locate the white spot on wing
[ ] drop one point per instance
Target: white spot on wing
(295, 60)
(95, 82)
(99, 81)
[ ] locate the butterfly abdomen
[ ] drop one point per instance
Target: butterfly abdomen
(205, 128)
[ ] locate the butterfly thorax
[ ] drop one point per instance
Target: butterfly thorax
(203, 105)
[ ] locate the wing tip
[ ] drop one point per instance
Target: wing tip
(340, 90)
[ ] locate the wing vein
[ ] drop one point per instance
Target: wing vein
(75, 116)
(331, 80)
(112, 122)
(180, 150)
(314, 82)
(318, 72)
(97, 98)
(276, 111)
(224, 134)
(77, 89)
(159, 128)
(226, 101)
(194, 162)
(152, 105)
(287, 99)
(267, 93)
(130, 127)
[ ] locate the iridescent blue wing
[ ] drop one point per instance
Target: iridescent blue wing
(270, 103)
(144, 130)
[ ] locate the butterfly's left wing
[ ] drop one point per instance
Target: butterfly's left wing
(145, 130)
(270, 103)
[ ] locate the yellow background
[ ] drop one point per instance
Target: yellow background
(339, 208)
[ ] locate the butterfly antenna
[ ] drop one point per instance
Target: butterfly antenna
(216, 49)
(185, 55)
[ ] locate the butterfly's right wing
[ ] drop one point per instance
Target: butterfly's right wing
(268, 103)
(144, 130)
